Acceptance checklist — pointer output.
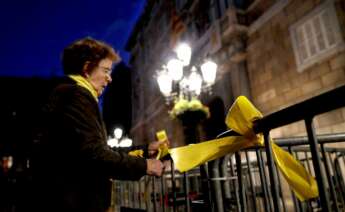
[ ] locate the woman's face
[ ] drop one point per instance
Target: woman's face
(100, 76)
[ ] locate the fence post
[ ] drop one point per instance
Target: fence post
(216, 187)
(240, 182)
(272, 171)
(329, 178)
(186, 190)
(252, 188)
(267, 202)
(173, 184)
(319, 172)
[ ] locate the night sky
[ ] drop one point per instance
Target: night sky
(34, 32)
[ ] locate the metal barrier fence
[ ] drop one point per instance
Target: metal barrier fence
(248, 180)
(183, 192)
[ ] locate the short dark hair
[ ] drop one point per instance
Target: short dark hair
(86, 50)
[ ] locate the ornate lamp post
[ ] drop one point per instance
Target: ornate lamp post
(175, 83)
(182, 83)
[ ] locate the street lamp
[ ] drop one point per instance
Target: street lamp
(118, 140)
(176, 82)
(183, 82)
(118, 133)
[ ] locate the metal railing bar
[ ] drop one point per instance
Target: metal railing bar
(294, 199)
(240, 183)
(272, 173)
(319, 172)
(267, 202)
(163, 193)
(173, 185)
(251, 183)
(338, 179)
(226, 183)
(303, 140)
(329, 178)
(306, 158)
(186, 190)
(216, 186)
(154, 194)
(280, 190)
(235, 184)
(222, 178)
(300, 204)
(327, 149)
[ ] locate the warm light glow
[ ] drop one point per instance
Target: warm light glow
(173, 82)
(184, 53)
(195, 81)
(118, 133)
(209, 71)
(113, 142)
(126, 142)
(164, 83)
(184, 83)
(175, 69)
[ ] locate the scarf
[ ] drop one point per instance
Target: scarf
(82, 82)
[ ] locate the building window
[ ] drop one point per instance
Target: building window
(316, 36)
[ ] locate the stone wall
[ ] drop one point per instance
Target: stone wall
(274, 79)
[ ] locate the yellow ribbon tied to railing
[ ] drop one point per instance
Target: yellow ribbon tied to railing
(240, 118)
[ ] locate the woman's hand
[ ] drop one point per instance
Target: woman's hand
(154, 147)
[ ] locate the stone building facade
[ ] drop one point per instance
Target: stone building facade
(277, 78)
(276, 52)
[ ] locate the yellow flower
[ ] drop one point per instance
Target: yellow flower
(183, 105)
(195, 104)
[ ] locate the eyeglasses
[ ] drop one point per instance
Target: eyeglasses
(107, 70)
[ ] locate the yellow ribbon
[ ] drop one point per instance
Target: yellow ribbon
(137, 153)
(163, 147)
(240, 118)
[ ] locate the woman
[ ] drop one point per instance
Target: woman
(73, 163)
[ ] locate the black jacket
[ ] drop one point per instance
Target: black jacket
(73, 164)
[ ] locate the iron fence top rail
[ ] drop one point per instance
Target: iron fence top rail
(309, 108)
(303, 140)
(326, 149)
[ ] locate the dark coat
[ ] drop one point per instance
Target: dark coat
(73, 164)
